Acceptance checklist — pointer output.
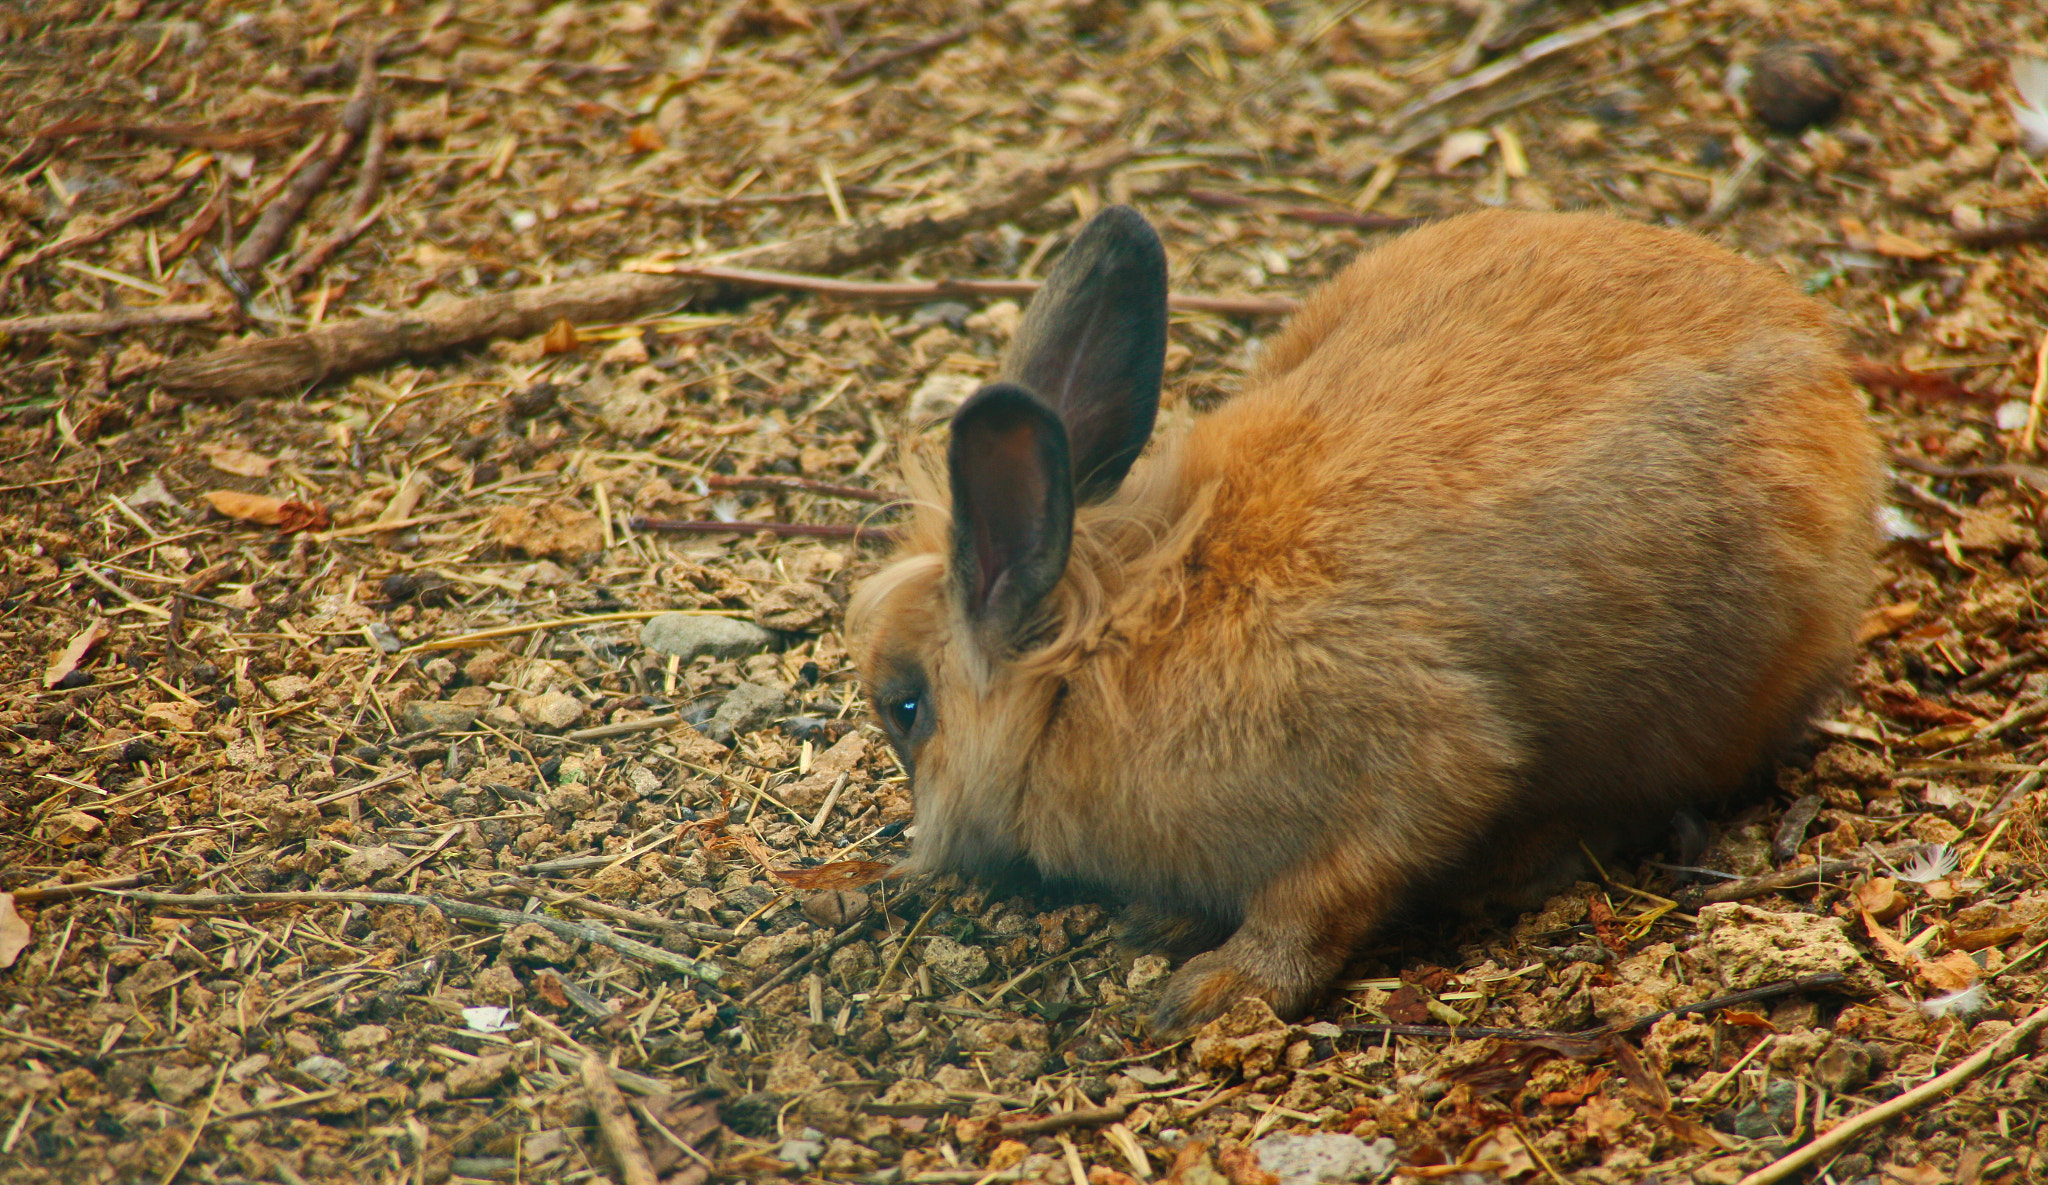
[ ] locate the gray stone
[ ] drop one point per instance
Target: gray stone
(1322, 1156)
(428, 715)
(746, 708)
(1770, 1115)
(962, 964)
(326, 1069)
(689, 635)
(802, 1151)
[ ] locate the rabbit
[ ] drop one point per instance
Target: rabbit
(1527, 531)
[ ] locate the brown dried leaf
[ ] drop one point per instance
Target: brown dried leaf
(1880, 898)
(82, 643)
(240, 462)
(1987, 937)
(14, 932)
(1885, 619)
(1951, 972)
(253, 508)
(1747, 1020)
(1887, 942)
(560, 338)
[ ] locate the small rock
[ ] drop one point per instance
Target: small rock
(1770, 1115)
(1147, 971)
(553, 709)
(745, 709)
(1308, 1159)
(479, 1077)
(801, 1152)
(691, 635)
(1748, 947)
(836, 907)
(962, 964)
(367, 864)
(178, 1085)
(326, 1069)
(1249, 1036)
(794, 608)
(168, 717)
(365, 1037)
(385, 638)
(1844, 1067)
(1793, 86)
(426, 715)
(940, 396)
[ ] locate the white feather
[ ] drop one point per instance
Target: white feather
(2030, 108)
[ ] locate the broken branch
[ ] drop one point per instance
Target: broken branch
(1529, 55)
(122, 222)
(111, 321)
(1835, 1137)
(1248, 306)
(299, 360)
(263, 239)
(672, 526)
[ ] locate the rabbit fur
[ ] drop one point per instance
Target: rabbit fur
(1528, 530)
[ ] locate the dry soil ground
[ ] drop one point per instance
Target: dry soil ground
(365, 636)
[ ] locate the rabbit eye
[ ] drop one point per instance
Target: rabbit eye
(903, 713)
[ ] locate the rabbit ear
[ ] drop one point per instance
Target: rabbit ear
(1092, 346)
(1013, 508)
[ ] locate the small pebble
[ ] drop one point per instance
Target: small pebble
(1794, 85)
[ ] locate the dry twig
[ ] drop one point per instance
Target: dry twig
(263, 239)
(1248, 306)
(708, 973)
(360, 213)
(854, 71)
(111, 321)
(615, 1123)
(1835, 1137)
(677, 526)
(302, 359)
(1528, 55)
(121, 222)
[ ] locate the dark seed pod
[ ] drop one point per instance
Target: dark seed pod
(1794, 85)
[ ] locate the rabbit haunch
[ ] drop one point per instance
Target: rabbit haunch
(1528, 530)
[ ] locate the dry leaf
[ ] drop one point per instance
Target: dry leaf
(560, 338)
(1885, 619)
(1880, 898)
(1898, 952)
(1885, 242)
(1748, 1020)
(66, 660)
(1461, 146)
(240, 462)
(1951, 972)
(1987, 937)
(14, 932)
(288, 516)
(644, 138)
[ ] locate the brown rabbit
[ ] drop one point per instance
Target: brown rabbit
(1529, 529)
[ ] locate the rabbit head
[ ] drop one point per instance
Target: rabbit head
(966, 639)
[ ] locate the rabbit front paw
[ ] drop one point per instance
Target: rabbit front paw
(1209, 984)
